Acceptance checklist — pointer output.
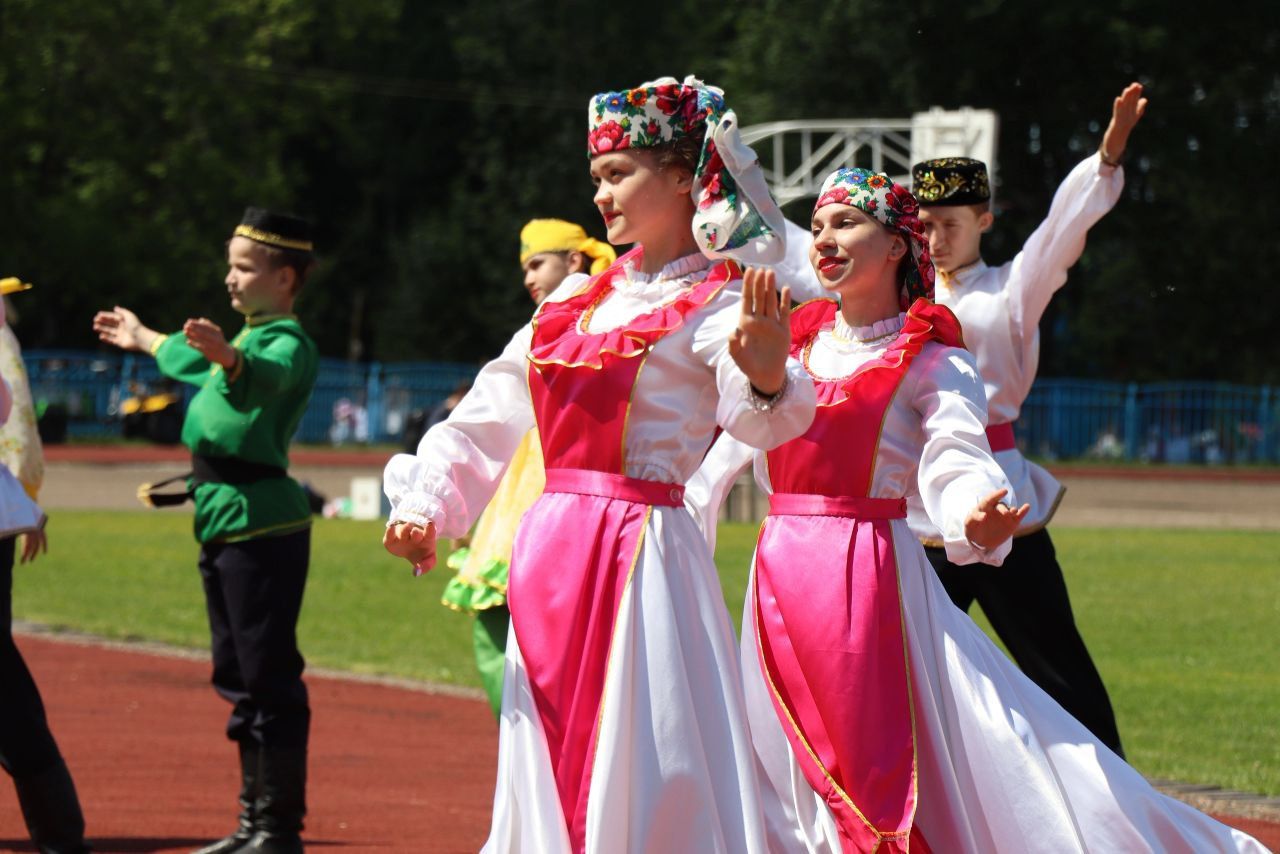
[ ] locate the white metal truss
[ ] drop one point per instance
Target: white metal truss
(797, 155)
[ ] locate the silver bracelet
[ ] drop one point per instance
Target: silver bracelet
(760, 403)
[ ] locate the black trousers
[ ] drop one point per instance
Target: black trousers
(26, 744)
(254, 595)
(1026, 601)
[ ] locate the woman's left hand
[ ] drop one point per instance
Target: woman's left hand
(991, 523)
(762, 340)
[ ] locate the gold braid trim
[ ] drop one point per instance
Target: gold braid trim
(271, 239)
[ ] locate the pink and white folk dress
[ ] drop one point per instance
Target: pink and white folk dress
(884, 720)
(623, 725)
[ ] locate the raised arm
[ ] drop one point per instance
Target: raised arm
(1084, 197)
(1128, 107)
(765, 398)
(121, 328)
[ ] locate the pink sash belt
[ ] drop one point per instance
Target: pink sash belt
(607, 485)
(795, 504)
(1001, 437)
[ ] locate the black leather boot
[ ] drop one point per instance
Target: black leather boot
(281, 804)
(52, 810)
(250, 777)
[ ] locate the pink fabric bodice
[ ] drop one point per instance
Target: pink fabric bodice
(836, 456)
(581, 382)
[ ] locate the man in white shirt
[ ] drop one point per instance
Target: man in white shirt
(1000, 309)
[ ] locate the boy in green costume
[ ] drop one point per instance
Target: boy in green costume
(252, 520)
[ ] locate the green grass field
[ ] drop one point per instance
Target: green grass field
(1182, 624)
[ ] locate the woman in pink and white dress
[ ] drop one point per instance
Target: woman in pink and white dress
(623, 725)
(884, 720)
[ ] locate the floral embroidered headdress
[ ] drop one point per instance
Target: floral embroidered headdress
(894, 207)
(735, 216)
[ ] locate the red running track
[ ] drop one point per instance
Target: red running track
(392, 769)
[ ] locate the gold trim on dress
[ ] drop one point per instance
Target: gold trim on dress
(844, 796)
(911, 699)
(604, 684)
(638, 337)
(884, 419)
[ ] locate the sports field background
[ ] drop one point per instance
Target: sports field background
(1182, 622)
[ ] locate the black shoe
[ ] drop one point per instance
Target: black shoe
(263, 842)
(227, 844)
(250, 779)
(52, 811)
(282, 802)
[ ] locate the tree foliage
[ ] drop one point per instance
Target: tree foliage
(421, 135)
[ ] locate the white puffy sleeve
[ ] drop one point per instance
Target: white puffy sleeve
(1040, 268)
(706, 491)
(956, 467)
(460, 461)
(738, 410)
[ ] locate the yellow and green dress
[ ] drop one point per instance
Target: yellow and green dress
(480, 587)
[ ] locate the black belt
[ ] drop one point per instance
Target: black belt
(206, 469)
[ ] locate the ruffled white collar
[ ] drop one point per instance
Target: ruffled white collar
(679, 274)
(843, 338)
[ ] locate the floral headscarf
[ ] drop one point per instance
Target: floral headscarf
(894, 207)
(735, 214)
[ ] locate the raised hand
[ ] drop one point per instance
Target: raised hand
(121, 328)
(762, 340)
(991, 523)
(412, 542)
(1127, 109)
(206, 336)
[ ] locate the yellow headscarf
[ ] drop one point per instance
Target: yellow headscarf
(13, 285)
(556, 235)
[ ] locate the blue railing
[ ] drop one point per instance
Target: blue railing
(1176, 422)
(351, 402)
(1171, 422)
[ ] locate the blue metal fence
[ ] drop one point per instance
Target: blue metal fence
(1177, 422)
(1172, 422)
(352, 402)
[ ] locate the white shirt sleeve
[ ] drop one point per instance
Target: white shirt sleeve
(956, 467)
(706, 491)
(460, 461)
(735, 411)
(1040, 269)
